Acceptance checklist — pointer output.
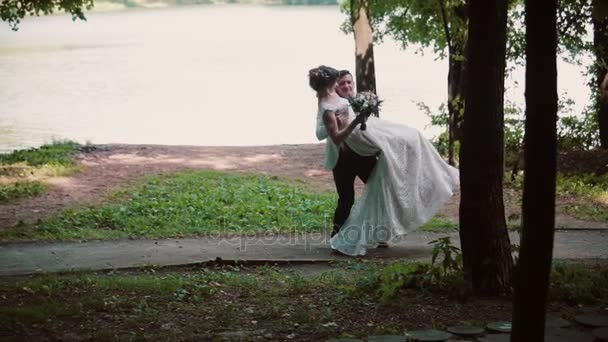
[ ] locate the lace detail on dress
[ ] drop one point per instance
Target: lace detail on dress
(407, 187)
(331, 149)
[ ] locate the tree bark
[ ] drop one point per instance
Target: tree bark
(600, 45)
(534, 267)
(455, 77)
(455, 102)
(365, 70)
(484, 238)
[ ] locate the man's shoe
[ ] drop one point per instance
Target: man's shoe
(382, 245)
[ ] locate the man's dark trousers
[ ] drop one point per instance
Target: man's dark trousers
(349, 166)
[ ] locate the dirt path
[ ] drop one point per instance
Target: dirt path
(108, 167)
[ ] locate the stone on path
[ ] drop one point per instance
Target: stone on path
(465, 330)
(592, 320)
(344, 340)
(500, 327)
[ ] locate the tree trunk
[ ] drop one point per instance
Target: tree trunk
(534, 267)
(600, 44)
(455, 102)
(455, 76)
(484, 238)
(365, 70)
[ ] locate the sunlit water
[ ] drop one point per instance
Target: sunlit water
(202, 75)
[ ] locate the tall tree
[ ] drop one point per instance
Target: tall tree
(456, 71)
(600, 48)
(13, 11)
(486, 248)
(534, 266)
(364, 46)
(440, 24)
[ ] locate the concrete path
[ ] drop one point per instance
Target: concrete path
(27, 258)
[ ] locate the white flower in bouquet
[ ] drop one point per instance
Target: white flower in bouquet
(365, 103)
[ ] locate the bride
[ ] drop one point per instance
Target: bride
(408, 185)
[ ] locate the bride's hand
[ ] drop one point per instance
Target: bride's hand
(359, 119)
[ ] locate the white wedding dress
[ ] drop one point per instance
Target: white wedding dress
(407, 187)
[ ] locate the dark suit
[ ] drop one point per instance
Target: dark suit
(349, 166)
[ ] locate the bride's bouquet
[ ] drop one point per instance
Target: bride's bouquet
(365, 103)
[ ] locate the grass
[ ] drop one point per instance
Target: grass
(270, 302)
(591, 192)
(585, 196)
(23, 172)
(191, 204)
(579, 284)
(439, 224)
(12, 191)
(58, 153)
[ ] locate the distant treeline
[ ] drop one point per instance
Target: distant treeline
(146, 3)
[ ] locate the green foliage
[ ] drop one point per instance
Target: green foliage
(197, 304)
(190, 204)
(16, 190)
(395, 277)
(445, 276)
(584, 185)
(24, 169)
(13, 11)
(593, 189)
(577, 284)
(441, 119)
(56, 153)
(578, 132)
(421, 22)
(573, 20)
(439, 224)
(451, 256)
(587, 194)
(573, 132)
(418, 22)
(514, 127)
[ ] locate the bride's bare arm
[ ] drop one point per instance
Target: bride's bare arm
(335, 132)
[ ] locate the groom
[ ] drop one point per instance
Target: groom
(350, 165)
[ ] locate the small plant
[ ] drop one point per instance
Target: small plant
(451, 256)
(397, 276)
(444, 276)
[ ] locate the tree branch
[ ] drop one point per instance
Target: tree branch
(446, 28)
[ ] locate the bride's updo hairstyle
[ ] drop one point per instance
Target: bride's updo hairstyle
(321, 78)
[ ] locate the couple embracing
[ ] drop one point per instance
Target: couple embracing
(407, 181)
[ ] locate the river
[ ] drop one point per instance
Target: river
(198, 75)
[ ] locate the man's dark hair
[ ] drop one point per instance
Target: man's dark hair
(343, 73)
